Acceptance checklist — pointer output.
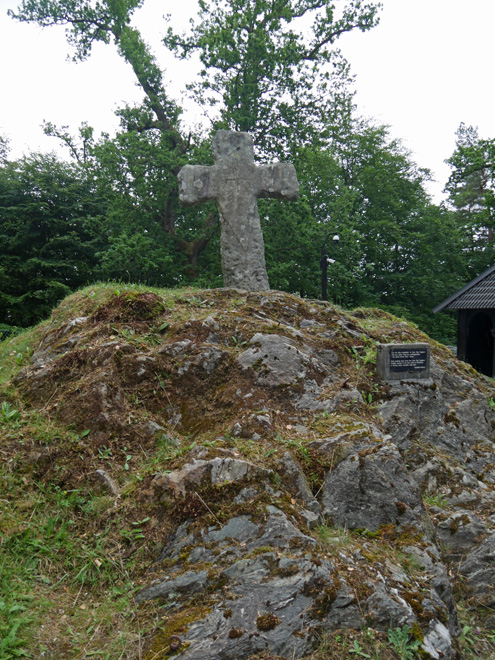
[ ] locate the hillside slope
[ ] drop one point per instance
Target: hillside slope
(220, 474)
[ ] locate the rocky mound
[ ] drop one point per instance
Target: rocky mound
(292, 494)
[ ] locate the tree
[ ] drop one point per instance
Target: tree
(49, 234)
(156, 120)
(269, 78)
(471, 188)
(266, 76)
(4, 149)
(397, 250)
(88, 23)
(271, 68)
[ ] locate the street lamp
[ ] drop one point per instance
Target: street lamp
(324, 261)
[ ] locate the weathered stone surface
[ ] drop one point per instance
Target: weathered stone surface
(450, 415)
(187, 583)
(371, 488)
(438, 642)
(479, 571)
(215, 471)
(439, 601)
(57, 342)
(107, 482)
(236, 183)
(275, 359)
(277, 596)
(387, 608)
(356, 437)
(329, 358)
(263, 615)
(193, 355)
(277, 532)
(459, 534)
(236, 386)
(294, 480)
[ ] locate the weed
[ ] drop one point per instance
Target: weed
(15, 350)
(8, 414)
(363, 355)
(82, 555)
(128, 458)
(435, 500)
(357, 650)
(238, 342)
(402, 643)
(467, 638)
(344, 645)
(105, 453)
(410, 563)
(79, 436)
(162, 327)
(136, 532)
(333, 537)
(293, 443)
(475, 641)
(13, 619)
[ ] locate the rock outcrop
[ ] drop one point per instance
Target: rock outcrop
(298, 494)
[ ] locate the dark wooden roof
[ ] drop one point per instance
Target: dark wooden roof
(478, 294)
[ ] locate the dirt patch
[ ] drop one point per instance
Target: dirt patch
(130, 307)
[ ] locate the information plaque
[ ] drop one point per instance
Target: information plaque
(403, 361)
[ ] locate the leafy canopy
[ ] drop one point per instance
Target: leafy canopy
(272, 66)
(471, 189)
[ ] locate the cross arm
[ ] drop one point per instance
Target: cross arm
(197, 183)
(278, 180)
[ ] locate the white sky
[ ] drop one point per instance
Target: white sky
(427, 67)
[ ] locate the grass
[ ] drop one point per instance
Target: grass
(368, 643)
(477, 639)
(46, 557)
(70, 554)
(70, 558)
(334, 537)
(15, 352)
(15, 617)
(65, 581)
(435, 499)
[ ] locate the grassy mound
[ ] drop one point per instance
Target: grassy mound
(92, 409)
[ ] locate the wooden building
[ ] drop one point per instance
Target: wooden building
(475, 304)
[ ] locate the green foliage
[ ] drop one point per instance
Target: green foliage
(49, 220)
(435, 499)
(8, 414)
(7, 331)
(291, 88)
(146, 227)
(396, 250)
(471, 188)
(358, 651)
(14, 617)
(136, 257)
(86, 24)
(272, 67)
(4, 149)
(137, 171)
(403, 644)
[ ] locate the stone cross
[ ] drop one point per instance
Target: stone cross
(236, 183)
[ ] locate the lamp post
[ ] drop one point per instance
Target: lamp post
(324, 261)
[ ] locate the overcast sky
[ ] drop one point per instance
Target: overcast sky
(427, 67)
